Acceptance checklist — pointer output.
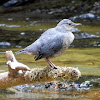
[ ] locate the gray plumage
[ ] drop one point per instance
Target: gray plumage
(52, 42)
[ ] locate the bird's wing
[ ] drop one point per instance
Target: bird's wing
(34, 47)
(49, 46)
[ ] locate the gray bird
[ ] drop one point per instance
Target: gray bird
(52, 42)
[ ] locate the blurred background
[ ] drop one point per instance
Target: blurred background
(23, 21)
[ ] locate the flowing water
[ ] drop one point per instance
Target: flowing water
(84, 53)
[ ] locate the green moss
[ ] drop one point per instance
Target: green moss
(87, 59)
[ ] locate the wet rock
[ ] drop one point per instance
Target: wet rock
(10, 26)
(18, 46)
(85, 86)
(85, 17)
(23, 88)
(58, 86)
(49, 85)
(22, 33)
(84, 39)
(10, 19)
(4, 44)
(11, 3)
(61, 86)
(86, 42)
(95, 82)
(88, 15)
(97, 44)
(84, 35)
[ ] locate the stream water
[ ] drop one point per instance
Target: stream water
(83, 53)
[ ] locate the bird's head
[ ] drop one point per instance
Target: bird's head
(67, 24)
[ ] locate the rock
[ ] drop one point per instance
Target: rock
(97, 44)
(15, 3)
(95, 82)
(5, 44)
(84, 35)
(10, 3)
(8, 91)
(10, 19)
(22, 33)
(88, 15)
(10, 26)
(83, 16)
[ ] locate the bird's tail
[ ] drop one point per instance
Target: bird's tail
(20, 51)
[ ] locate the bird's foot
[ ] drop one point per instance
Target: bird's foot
(53, 66)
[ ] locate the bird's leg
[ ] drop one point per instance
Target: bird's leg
(50, 63)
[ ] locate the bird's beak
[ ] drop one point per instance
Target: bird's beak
(76, 24)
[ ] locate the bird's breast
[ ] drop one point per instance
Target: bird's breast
(67, 40)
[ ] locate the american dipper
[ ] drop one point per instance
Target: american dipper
(52, 42)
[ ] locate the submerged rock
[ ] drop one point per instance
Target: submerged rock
(85, 83)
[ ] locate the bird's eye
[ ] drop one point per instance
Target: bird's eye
(69, 23)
